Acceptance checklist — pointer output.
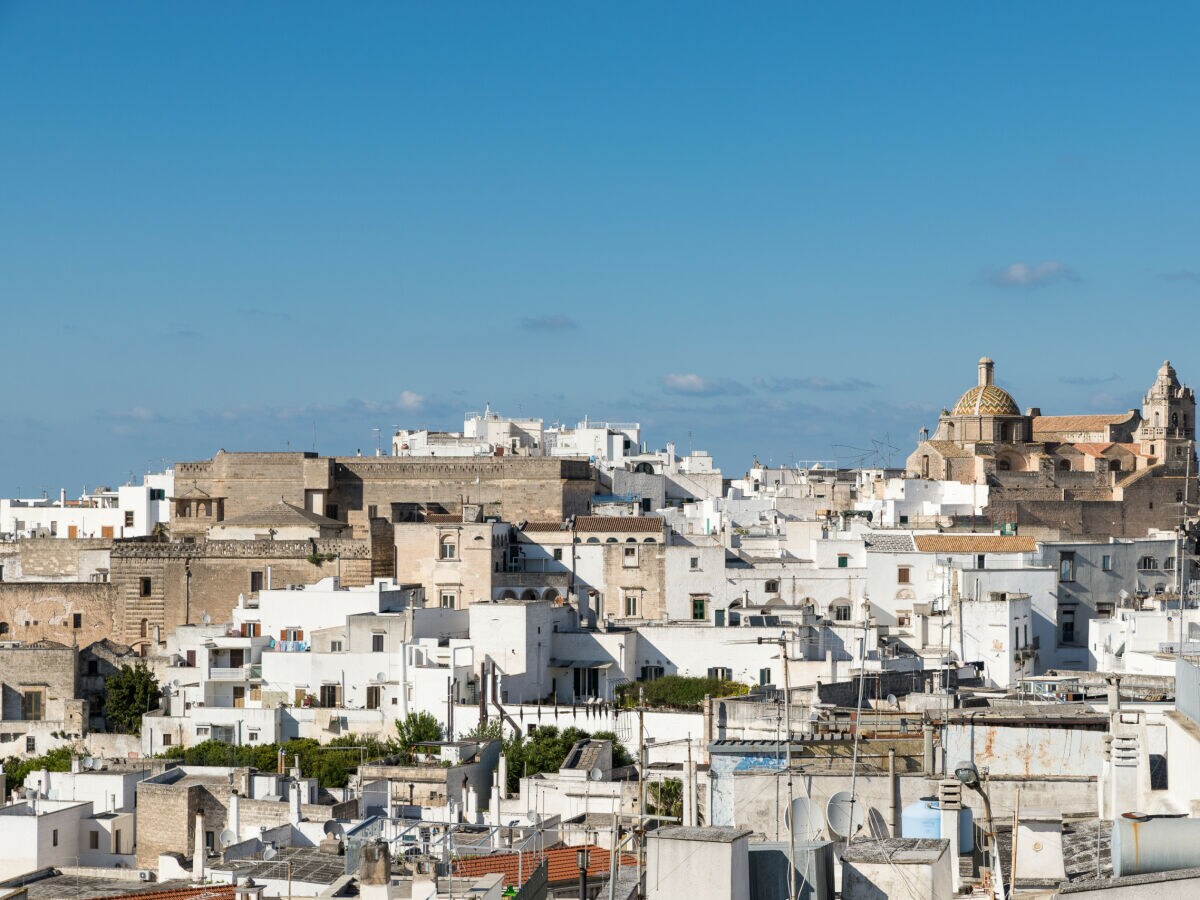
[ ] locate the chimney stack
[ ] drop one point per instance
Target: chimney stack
(198, 849)
(986, 372)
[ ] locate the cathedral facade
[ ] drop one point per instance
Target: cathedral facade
(1087, 475)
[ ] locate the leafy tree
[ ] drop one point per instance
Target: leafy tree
(678, 691)
(332, 763)
(665, 798)
(416, 728)
(129, 695)
(546, 749)
(15, 768)
(492, 730)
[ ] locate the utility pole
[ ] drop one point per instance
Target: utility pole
(640, 828)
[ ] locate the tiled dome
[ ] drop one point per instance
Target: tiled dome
(986, 400)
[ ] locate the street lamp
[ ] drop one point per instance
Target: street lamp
(968, 774)
(583, 857)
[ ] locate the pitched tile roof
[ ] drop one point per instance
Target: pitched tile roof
(974, 543)
(949, 449)
(542, 526)
(648, 524)
(562, 864)
(210, 892)
(1055, 424)
(890, 542)
(443, 518)
(283, 513)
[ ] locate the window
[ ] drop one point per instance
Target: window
(1148, 564)
(158, 494)
(1067, 617)
(93, 840)
(373, 696)
(129, 518)
(631, 557)
(54, 837)
(93, 667)
(116, 840)
(166, 740)
(1179, 496)
(203, 731)
(1169, 564)
(764, 676)
(843, 561)
(651, 673)
(30, 745)
(145, 587)
(694, 563)
(631, 605)
(376, 643)
(1066, 566)
(331, 694)
(558, 553)
(586, 681)
(372, 511)
(449, 549)
(699, 608)
(143, 626)
(980, 559)
(331, 511)
(1106, 563)
(77, 620)
(771, 587)
(841, 612)
(335, 646)
(721, 673)
(449, 600)
(33, 706)
(904, 520)
(256, 582)
(904, 575)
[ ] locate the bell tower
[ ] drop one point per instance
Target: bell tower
(1168, 419)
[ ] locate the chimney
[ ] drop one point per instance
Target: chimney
(62, 497)
(374, 871)
(235, 819)
(986, 371)
(76, 765)
(294, 803)
(198, 850)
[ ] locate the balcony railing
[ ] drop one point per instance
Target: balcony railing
(231, 673)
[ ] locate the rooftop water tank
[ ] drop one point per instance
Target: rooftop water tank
(923, 819)
(1143, 844)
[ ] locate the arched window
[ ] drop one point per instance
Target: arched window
(449, 548)
(631, 540)
(1003, 466)
(1115, 465)
(1064, 465)
(3, 628)
(1174, 420)
(529, 594)
(649, 541)
(1157, 419)
(611, 540)
(839, 610)
(925, 466)
(593, 540)
(949, 431)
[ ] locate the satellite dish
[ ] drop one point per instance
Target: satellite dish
(175, 684)
(269, 853)
(333, 829)
(892, 701)
(380, 677)
(596, 774)
(845, 814)
(533, 817)
(804, 819)
(87, 762)
(877, 825)
(228, 837)
(206, 619)
(97, 763)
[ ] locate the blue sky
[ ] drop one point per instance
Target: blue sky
(787, 229)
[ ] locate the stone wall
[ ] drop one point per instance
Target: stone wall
(32, 611)
(62, 559)
(51, 669)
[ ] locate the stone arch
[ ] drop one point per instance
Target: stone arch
(840, 609)
(1010, 462)
(950, 428)
(611, 540)
(906, 594)
(529, 594)
(631, 540)
(649, 541)
(509, 595)
(593, 540)
(550, 594)
(1064, 465)
(644, 468)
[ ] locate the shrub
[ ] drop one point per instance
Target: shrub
(678, 691)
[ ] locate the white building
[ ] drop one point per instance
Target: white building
(132, 510)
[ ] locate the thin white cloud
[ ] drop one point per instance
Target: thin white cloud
(1030, 275)
(410, 401)
(694, 385)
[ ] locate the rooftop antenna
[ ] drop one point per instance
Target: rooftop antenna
(378, 445)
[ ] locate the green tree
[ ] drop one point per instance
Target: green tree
(678, 691)
(129, 695)
(416, 728)
(492, 730)
(546, 749)
(665, 798)
(15, 768)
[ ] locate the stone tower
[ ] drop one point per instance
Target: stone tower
(1168, 425)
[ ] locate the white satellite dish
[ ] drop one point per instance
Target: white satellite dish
(596, 774)
(269, 853)
(804, 819)
(845, 814)
(87, 762)
(175, 684)
(892, 701)
(380, 677)
(206, 619)
(877, 825)
(228, 838)
(333, 829)
(533, 817)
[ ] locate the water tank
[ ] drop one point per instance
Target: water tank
(1142, 844)
(923, 819)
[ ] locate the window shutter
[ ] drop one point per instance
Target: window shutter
(283, 634)
(300, 635)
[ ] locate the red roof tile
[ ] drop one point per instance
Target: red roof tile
(561, 860)
(648, 524)
(211, 892)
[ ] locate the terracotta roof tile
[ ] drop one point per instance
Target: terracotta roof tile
(561, 860)
(974, 543)
(542, 526)
(443, 518)
(648, 524)
(1056, 424)
(211, 892)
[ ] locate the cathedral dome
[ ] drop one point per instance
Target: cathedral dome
(986, 400)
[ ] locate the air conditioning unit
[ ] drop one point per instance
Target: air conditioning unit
(145, 875)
